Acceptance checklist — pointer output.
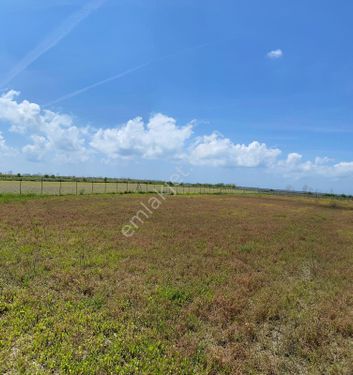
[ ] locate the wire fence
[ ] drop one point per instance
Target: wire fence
(85, 187)
(42, 187)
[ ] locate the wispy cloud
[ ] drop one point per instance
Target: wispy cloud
(123, 74)
(97, 84)
(53, 39)
(275, 54)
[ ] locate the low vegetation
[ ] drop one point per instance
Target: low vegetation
(214, 284)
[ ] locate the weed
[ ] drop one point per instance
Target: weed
(207, 286)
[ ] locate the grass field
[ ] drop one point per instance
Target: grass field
(215, 284)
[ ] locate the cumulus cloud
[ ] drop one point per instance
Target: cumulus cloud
(50, 132)
(275, 54)
(5, 150)
(295, 166)
(217, 150)
(53, 136)
(342, 169)
(160, 137)
(3, 145)
(19, 115)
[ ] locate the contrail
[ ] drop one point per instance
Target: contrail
(93, 85)
(53, 39)
(122, 74)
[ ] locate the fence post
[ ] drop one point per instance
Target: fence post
(60, 187)
(76, 188)
(105, 187)
(20, 186)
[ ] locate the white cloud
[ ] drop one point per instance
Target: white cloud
(54, 134)
(342, 169)
(294, 166)
(50, 132)
(5, 150)
(18, 115)
(38, 149)
(160, 137)
(216, 150)
(51, 136)
(275, 54)
(3, 145)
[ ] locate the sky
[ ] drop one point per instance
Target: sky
(251, 92)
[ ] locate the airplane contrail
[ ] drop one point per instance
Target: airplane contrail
(53, 39)
(122, 74)
(96, 84)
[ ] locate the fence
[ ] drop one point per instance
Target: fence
(43, 187)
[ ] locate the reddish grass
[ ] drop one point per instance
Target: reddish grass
(214, 284)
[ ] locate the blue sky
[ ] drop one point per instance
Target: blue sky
(248, 92)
